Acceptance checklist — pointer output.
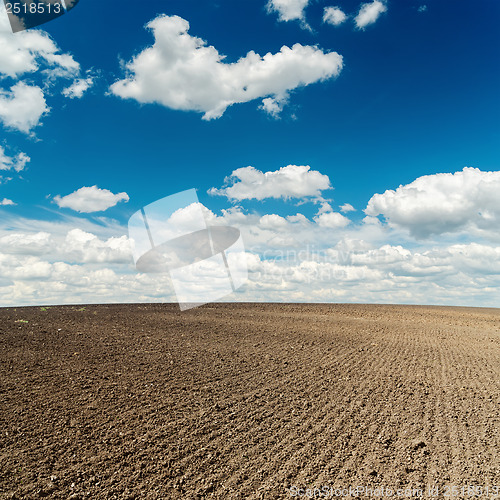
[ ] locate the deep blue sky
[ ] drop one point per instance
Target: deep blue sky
(418, 95)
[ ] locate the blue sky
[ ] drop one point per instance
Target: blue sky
(416, 95)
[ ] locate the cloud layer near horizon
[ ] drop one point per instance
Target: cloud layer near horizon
(327, 257)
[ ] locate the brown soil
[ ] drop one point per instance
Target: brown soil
(247, 400)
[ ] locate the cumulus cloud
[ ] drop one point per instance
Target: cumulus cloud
(357, 271)
(288, 10)
(334, 16)
(78, 88)
(331, 220)
(26, 51)
(369, 13)
(442, 203)
(273, 221)
(6, 202)
(324, 207)
(90, 199)
(273, 106)
(71, 245)
(26, 243)
(16, 163)
(22, 107)
(65, 263)
(472, 259)
(347, 207)
(181, 72)
(292, 181)
(34, 61)
(84, 247)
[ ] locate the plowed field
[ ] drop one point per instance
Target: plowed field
(249, 401)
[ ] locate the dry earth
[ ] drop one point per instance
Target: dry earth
(248, 401)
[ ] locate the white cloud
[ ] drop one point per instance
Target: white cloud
(371, 221)
(347, 207)
(355, 271)
(61, 225)
(422, 8)
(472, 259)
(84, 247)
(181, 72)
(324, 207)
(90, 199)
(274, 105)
(273, 221)
(65, 263)
(25, 243)
(70, 245)
(459, 274)
(25, 51)
(369, 13)
(34, 61)
(292, 181)
(78, 88)
(288, 10)
(16, 163)
(443, 203)
(6, 202)
(331, 220)
(22, 107)
(327, 218)
(334, 16)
